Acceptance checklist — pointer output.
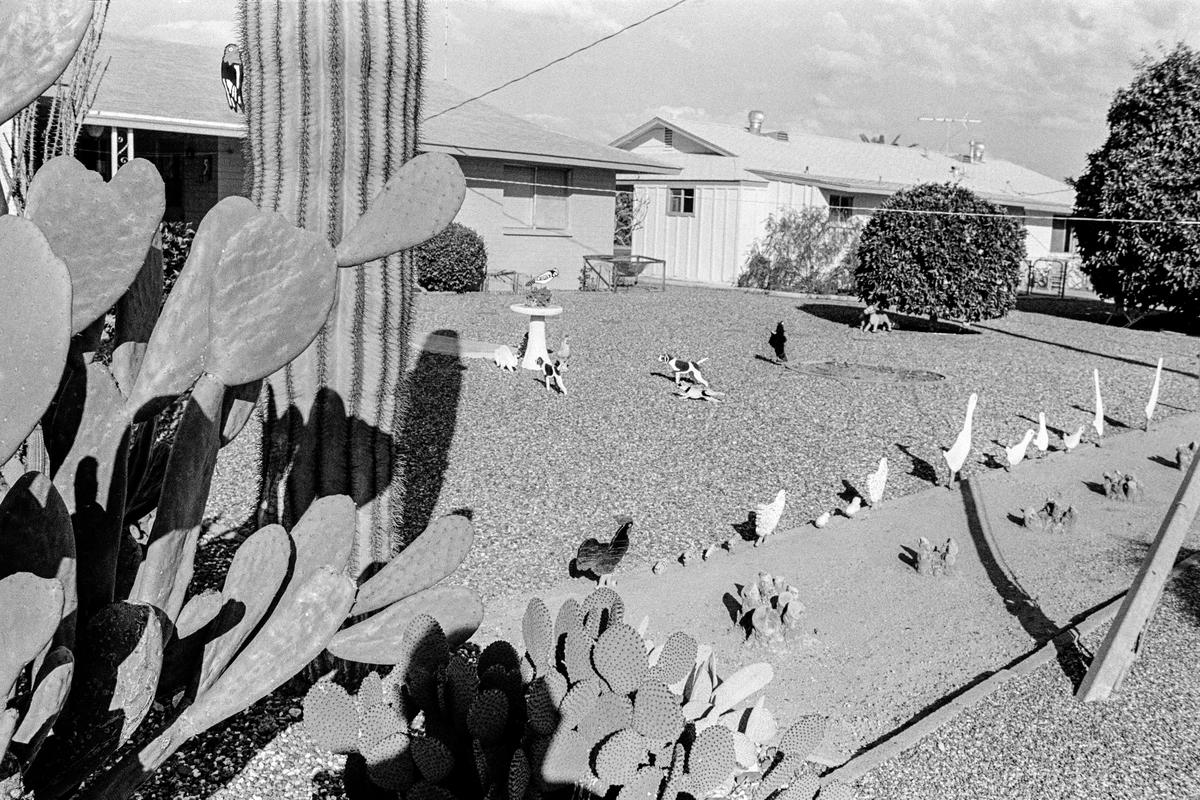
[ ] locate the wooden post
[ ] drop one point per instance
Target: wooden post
(1115, 657)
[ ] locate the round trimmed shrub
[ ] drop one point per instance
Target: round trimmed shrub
(453, 261)
(944, 265)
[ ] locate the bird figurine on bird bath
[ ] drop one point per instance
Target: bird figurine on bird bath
(539, 295)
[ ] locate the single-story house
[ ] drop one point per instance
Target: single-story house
(539, 199)
(703, 220)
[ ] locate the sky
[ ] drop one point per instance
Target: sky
(1037, 74)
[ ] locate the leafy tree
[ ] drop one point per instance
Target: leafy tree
(802, 250)
(1148, 168)
(962, 265)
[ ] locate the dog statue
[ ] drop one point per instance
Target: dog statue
(874, 320)
(505, 358)
(552, 372)
(681, 366)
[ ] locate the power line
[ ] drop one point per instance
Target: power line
(560, 59)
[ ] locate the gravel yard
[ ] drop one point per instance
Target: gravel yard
(540, 471)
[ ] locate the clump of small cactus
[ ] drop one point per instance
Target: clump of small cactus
(1053, 517)
(1123, 487)
(590, 705)
(768, 608)
(1184, 454)
(933, 560)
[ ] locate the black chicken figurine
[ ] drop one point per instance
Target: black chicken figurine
(777, 341)
(601, 558)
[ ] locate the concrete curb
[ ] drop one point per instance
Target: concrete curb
(859, 765)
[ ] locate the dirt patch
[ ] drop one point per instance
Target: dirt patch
(878, 644)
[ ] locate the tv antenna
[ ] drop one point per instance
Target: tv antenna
(950, 122)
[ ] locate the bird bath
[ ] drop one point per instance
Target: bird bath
(536, 346)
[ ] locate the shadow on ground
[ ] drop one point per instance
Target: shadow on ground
(1102, 312)
(851, 315)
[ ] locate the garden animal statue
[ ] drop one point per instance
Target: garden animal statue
(777, 341)
(564, 350)
(231, 77)
(1042, 440)
(552, 374)
(876, 482)
(767, 516)
(694, 392)
(853, 507)
(505, 358)
(542, 278)
(874, 320)
(1071, 440)
(1098, 420)
(822, 520)
(956, 455)
(1153, 402)
(601, 558)
(1016, 453)
(681, 366)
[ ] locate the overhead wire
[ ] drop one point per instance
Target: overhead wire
(558, 60)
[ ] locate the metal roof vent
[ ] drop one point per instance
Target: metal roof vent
(977, 149)
(756, 120)
(668, 137)
(781, 135)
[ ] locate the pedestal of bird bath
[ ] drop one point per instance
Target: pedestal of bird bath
(535, 347)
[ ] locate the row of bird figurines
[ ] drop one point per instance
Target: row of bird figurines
(956, 455)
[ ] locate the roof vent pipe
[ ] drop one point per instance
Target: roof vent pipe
(756, 121)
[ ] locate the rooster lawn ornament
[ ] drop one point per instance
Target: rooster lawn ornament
(956, 454)
(601, 558)
(876, 482)
(1071, 440)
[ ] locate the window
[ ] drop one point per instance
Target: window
(841, 208)
(683, 202)
(1062, 236)
(536, 197)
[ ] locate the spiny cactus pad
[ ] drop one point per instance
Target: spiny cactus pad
(644, 785)
(377, 723)
(836, 791)
(569, 617)
(537, 629)
(580, 702)
(619, 756)
(804, 787)
(711, 760)
(566, 760)
(488, 716)
(656, 712)
(331, 718)
(620, 658)
(433, 758)
(370, 691)
(389, 764)
(803, 736)
(518, 775)
(427, 790)
(611, 713)
(433, 555)
(602, 608)
(577, 655)
(676, 660)
(540, 708)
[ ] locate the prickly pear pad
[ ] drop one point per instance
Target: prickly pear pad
(37, 40)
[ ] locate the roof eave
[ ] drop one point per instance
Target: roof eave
(151, 122)
(544, 158)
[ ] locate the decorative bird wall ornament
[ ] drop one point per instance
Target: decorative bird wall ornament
(956, 454)
(1153, 402)
(1098, 420)
(1042, 440)
(1016, 453)
(542, 278)
(1071, 440)
(767, 516)
(601, 558)
(778, 341)
(231, 77)
(876, 482)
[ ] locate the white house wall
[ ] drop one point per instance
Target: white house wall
(704, 246)
(590, 208)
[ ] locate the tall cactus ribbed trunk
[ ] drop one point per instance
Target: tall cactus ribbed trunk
(333, 96)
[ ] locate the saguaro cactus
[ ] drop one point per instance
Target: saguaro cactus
(333, 96)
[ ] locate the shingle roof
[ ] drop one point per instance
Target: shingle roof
(843, 163)
(157, 85)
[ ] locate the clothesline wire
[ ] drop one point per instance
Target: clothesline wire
(858, 209)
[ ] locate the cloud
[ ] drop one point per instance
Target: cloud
(1062, 122)
(680, 112)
